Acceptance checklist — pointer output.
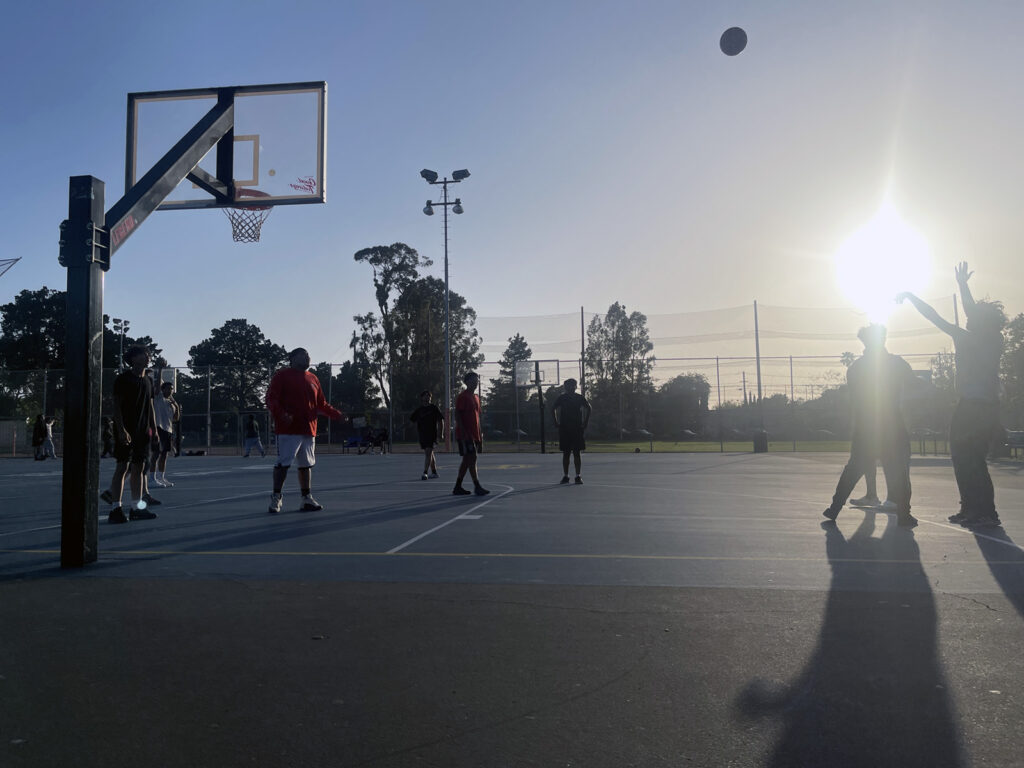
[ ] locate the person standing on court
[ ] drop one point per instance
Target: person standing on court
(876, 382)
(468, 435)
(978, 351)
(39, 436)
(108, 437)
(572, 414)
(429, 423)
(176, 424)
(48, 450)
(163, 407)
(134, 426)
(295, 399)
(252, 437)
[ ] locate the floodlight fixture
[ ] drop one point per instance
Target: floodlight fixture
(431, 178)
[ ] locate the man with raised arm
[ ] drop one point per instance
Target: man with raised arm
(295, 399)
(978, 350)
(876, 381)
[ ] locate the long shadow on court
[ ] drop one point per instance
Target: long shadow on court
(291, 525)
(1006, 562)
(873, 692)
(196, 536)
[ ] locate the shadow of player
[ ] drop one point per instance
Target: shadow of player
(1005, 560)
(873, 692)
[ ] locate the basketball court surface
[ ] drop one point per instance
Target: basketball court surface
(684, 609)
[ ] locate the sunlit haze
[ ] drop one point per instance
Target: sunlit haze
(879, 260)
(616, 155)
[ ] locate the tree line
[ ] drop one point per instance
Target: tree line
(398, 350)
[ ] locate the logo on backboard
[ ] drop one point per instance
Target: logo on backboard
(305, 184)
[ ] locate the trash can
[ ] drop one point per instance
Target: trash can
(760, 441)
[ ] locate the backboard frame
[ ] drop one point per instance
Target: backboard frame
(524, 373)
(219, 185)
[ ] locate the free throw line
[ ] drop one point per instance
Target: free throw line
(468, 514)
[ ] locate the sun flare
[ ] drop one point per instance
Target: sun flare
(879, 260)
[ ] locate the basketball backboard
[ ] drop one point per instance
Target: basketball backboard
(526, 372)
(278, 148)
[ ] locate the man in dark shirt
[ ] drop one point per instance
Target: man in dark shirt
(876, 382)
(979, 349)
(252, 437)
(572, 414)
(134, 426)
(429, 423)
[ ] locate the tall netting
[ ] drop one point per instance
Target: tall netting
(700, 387)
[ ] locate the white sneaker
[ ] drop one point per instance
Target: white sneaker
(865, 501)
(887, 506)
(309, 504)
(164, 483)
(276, 502)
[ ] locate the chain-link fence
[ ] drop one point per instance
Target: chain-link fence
(677, 404)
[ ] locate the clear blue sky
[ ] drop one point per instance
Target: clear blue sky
(615, 153)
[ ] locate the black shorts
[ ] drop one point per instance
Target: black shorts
(427, 441)
(135, 453)
(166, 439)
(571, 439)
(467, 448)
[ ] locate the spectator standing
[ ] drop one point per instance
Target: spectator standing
(572, 414)
(134, 424)
(163, 407)
(252, 437)
(39, 437)
(429, 423)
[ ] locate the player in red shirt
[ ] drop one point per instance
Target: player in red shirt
(295, 399)
(467, 434)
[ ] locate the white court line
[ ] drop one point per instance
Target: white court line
(467, 515)
(758, 497)
(30, 530)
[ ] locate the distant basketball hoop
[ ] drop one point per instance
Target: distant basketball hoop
(247, 218)
(6, 264)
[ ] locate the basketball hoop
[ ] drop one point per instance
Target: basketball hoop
(247, 218)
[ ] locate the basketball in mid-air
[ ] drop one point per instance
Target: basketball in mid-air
(733, 41)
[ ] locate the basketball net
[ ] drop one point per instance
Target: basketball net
(247, 220)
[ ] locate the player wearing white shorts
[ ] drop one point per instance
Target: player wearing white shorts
(295, 399)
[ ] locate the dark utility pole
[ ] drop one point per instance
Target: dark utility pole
(83, 252)
(86, 245)
(540, 400)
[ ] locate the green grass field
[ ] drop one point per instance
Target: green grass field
(928, 448)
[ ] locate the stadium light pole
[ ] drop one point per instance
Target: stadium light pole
(431, 178)
(120, 327)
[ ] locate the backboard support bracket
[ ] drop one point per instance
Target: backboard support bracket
(89, 237)
(144, 197)
(210, 183)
